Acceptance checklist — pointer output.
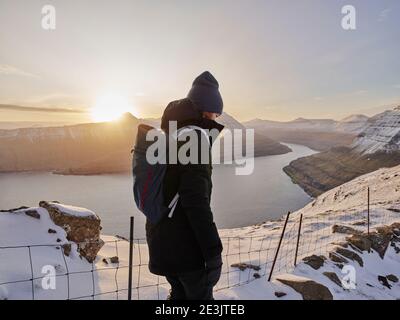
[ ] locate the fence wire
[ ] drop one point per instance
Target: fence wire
(246, 258)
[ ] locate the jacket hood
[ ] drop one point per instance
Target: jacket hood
(185, 113)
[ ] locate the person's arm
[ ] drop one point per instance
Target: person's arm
(194, 196)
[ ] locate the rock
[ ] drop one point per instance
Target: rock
(350, 255)
(51, 231)
(58, 240)
(280, 294)
(314, 261)
(359, 223)
(256, 275)
(66, 249)
(361, 242)
(244, 266)
(380, 242)
(83, 230)
(333, 277)
(344, 229)
(33, 214)
(392, 278)
(336, 258)
(111, 260)
(309, 289)
(384, 281)
(114, 259)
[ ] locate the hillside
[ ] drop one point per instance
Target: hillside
(317, 134)
(62, 148)
(333, 237)
(376, 147)
(89, 149)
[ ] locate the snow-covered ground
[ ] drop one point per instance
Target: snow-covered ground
(254, 245)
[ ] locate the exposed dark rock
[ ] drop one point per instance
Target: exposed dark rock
(359, 223)
(51, 231)
(392, 278)
(361, 242)
(279, 294)
(15, 209)
(333, 277)
(114, 259)
(309, 289)
(314, 261)
(344, 229)
(33, 214)
(350, 255)
(336, 258)
(66, 249)
(244, 266)
(111, 260)
(256, 275)
(384, 281)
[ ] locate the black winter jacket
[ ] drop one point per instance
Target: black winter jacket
(188, 240)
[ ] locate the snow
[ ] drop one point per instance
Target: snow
(256, 245)
(74, 211)
(382, 134)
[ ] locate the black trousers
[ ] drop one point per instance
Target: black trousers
(197, 285)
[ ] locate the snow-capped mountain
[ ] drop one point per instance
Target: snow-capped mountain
(381, 134)
(354, 123)
(350, 124)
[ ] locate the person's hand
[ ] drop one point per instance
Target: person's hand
(213, 270)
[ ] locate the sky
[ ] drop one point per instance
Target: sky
(276, 60)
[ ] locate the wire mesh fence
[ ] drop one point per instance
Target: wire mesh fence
(273, 250)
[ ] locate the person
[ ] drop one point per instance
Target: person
(186, 247)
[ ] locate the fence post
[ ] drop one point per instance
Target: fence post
(279, 246)
(368, 209)
(130, 258)
(298, 240)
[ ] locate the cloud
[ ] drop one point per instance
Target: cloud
(39, 109)
(384, 14)
(6, 69)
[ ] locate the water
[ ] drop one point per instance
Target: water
(236, 200)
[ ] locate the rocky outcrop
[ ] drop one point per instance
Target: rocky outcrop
(84, 230)
(314, 261)
(244, 266)
(324, 171)
(344, 229)
(309, 289)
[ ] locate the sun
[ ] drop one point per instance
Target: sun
(109, 107)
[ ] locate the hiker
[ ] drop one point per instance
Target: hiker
(186, 248)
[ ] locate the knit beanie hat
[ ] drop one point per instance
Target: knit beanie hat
(205, 94)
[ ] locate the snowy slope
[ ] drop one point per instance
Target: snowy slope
(344, 206)
(353, 124)
(382, 134)
(350, 124)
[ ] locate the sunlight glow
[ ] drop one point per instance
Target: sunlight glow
(110, 107)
